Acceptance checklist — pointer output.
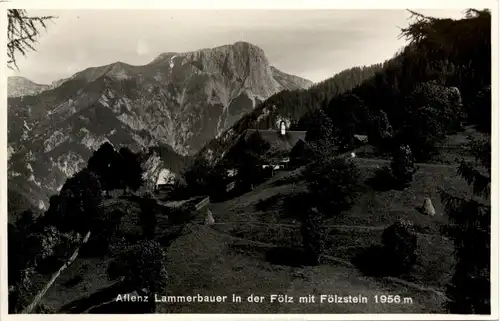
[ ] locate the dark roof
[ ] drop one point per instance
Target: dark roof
(274, 137)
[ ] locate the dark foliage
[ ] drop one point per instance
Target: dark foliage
(21, 292)
(78, 204)
(423, 132)
(319, 127)
(333, 183)
(394, 257)
(218, 179)
(196, 176)
(481, 107)
(181, 215)
(297, 154)
(149, 215)
(106, 163)
(22, 33)
(382, 180)
(132, 165)
(296, 205)
(142, 266)
(350, 116)
(470, 230)
(373, 261)
(313, 235)
(400, 243)
(403, 166)
(380, 132)
(104, 233)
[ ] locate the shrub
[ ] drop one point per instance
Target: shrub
(21, 293)
(196, 176)
(403, 166)
(148, 217)
(132, 165)
(381, 131)
(104, 233)
(78, 204)
(313, 235)
(382, 180)
(105, 162)
(333, 183)
(181, 214)
(400, 243)
(142, 266)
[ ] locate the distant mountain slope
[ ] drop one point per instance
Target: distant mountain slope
(180, 100)
(20, 86)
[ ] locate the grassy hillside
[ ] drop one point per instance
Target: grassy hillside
(255, 247)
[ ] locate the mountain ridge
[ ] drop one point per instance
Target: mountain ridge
(178, 100)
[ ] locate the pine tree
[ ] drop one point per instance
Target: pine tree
(131, 164)
(403, 166)
(148, 216)
(105, 162)
(319, 127)
(22, 33)
(470, 229)
(313, 235)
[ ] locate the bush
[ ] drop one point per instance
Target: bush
(196, 176)
(104, 233)
(334, 184)
(382, 180)
(78, 204)
(295, 205)
(403, 166)
(148, 217)
(21, 293)
(142, 266)
(181, 214)
(313, 235)
(400, 243)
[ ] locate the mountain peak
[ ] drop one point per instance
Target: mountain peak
(239, 46)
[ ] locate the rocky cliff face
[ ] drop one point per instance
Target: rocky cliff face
(180, 100)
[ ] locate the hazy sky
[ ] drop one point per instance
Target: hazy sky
(314, 44)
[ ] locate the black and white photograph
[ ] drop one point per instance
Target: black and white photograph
(250, 161)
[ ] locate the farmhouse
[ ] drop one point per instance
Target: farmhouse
(281, 142)
(275, 155)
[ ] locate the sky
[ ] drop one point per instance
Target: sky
(314, 44)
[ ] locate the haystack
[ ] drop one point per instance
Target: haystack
(209, 218)
(428, 208)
